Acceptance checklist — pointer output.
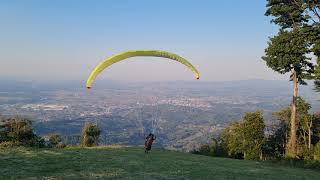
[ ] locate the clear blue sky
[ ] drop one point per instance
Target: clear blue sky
(65, 39)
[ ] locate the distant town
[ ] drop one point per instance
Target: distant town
(181, 119)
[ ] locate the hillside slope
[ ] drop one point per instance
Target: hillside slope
(131, 163)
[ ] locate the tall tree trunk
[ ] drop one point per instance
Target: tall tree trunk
(284, 145)
(310, 132)
(309, 140)
(292, 143)
(305, 139)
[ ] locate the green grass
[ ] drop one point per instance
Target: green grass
(112, 162)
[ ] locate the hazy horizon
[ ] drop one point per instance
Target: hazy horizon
(65, 40)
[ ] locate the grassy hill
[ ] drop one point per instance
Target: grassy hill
(114, 162)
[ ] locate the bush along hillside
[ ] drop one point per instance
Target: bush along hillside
(250, 139)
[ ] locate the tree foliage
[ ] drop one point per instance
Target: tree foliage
(54, 140)
(232, 137)
(286, 13)
(291, 48)
(90, 134)
(246, 138)
(288, 52)
(214, 148)
(317, 152)
(19, 131)
(276, 142)
(253, 135)
(307, 131)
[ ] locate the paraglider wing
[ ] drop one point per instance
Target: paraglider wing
(133, 53)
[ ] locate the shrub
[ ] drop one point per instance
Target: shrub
(305, 153)
(54, 140)
(61, 145)
(317, 152)
(90, 134)
(9, 144)
(205, 150)
(216, 148)
(19, 131)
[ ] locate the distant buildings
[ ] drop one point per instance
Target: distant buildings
(45, 107)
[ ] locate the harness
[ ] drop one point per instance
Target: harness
(148, 143)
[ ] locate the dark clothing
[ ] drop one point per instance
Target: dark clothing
(148, 142)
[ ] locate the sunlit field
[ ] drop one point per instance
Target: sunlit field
(132, 163)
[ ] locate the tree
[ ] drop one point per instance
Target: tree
(317, 151)
(232, 137)
(214, 148)
(278, 140)
(3, 130)
(54, 140)
(275, 143)
(221, 150)
(305, 121)
(245, 139)
(253, 135)
(315, 138)
(308, 126)
(90, 134)
(19, 131)
(203, 150)
(288, 51)
(312, 10)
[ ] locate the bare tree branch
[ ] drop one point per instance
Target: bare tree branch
(316, 13)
